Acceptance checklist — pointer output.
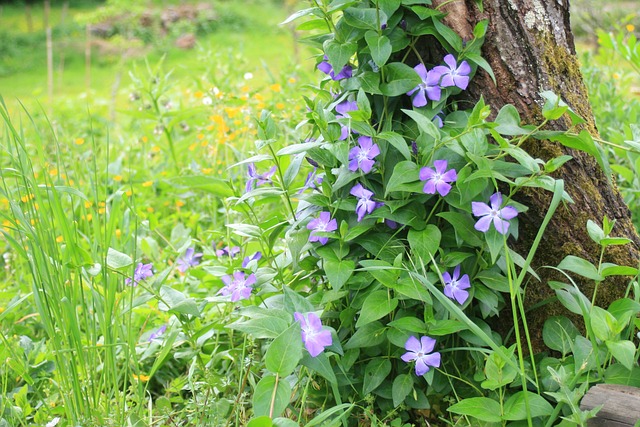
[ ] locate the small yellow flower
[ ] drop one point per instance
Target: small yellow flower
(150, 209)
(79, 141)
(630, 27)
(164, 173)
(101, 211)
(200, 136)
(198, 94)
(147, 184)
(103, 204)
(141, 377)
(53, 172)
(88, 217)
(59, 239)
(144, 139)
(155, 149)
(245, 89)
(87, 204)
(292, 80)
(207, 171)
(280, 106)
(128, 193)
(193, 146)
(71, 182)
(258, 97)
(117, 178)
(180, 203)
(118, 233)
(166, 203)
(276, 87)
(616, 76)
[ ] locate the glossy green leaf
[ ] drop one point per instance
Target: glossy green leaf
(285, 351)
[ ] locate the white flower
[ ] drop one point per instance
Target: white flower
(248, 76)
(207, 100)
(54, 422)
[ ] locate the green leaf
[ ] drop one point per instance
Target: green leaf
(581, 267)
(498, 370)
(448, 34)
(365, 18)
(425, 243)
(370, 335)
(376, 305)
(262, 322)
(624, 351)
(603, 324)
(400, 79)
(397, 141)
(618, 374)
(402, 386)
(338, 53)
(508, 120)
(463, 227)
(338, 272)
(321, 365)
(584, 356)
(209, 184)
(595, 232)
(413, 289)
(403, 173)
(117, 260)
(618, 270)
(424, 123)
(374, 374)
(293, 302)
(445, 327)
(558, 333)
(285, 351)
(284, 422)
(482, 408)
(261, 421)
(524, 404)
(263, 396)
(380, 47)
(176, 301)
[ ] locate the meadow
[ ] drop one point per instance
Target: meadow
(181, 248)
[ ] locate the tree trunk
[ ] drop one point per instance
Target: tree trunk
(530, 48)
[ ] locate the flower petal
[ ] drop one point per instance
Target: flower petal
(501, 225)
(480, 209)
(496, 201)
(508, 212)
(413, 345)
(483, 224)
(427, 344)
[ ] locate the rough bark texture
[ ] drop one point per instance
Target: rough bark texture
(530, 48)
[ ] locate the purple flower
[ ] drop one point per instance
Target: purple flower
(314, 337)
(323, 223)
(363, 155)
(157, 333)
(327, 68)
(391, 224)
(227, 251)
(254, 257)
(439, 179)
(189, 259)
(344, 108)
(142, 271)
(258, 179)
(454, 287)
(312, 181)
(493, 213)
(437, 119)
(237, 286)
(428, 89)
(419, 351)
(454, 75)
(365, 204)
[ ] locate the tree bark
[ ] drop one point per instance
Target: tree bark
(530, 48)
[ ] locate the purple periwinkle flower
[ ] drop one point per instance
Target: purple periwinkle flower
(420, 351)
(142, 271)
(487, 214)
(314, 337)
(362, 157)
(254, 257)
(227, 251)
(438, 180)
(344, 108)
(327, 68)
(455, 287)
(312, 182)
(157, 333)
(323, 223)
(454, 74)
(256, 179)
(237, 286)
(428, 89)
(189, 259)
(365, 204)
